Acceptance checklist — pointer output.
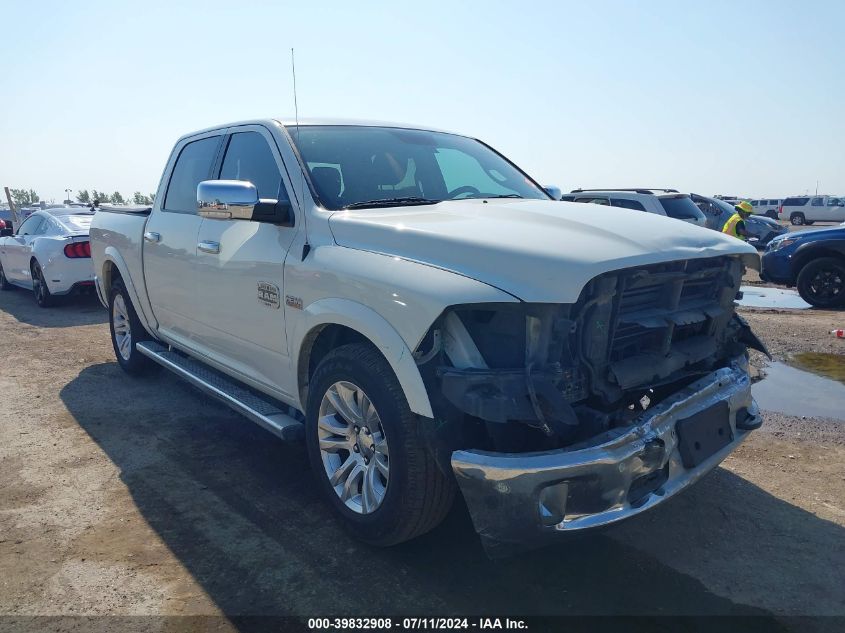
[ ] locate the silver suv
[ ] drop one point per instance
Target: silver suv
(668, 202)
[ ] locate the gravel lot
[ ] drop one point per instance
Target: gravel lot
(142, 497)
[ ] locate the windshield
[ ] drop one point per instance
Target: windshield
(358, 166)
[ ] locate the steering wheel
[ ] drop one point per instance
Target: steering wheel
(462, 190)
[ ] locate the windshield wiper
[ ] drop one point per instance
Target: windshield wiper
(506, 195)
(390, 202)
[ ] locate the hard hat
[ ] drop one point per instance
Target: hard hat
(744, 207)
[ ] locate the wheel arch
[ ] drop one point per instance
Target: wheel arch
(115, 267)
(808, 253)
(329, 323)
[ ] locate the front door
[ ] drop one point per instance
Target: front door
(240, 270)
(18, 250)
(170, 242)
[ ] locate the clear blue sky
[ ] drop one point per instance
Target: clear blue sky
(740, 97)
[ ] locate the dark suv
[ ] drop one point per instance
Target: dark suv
(814, 261)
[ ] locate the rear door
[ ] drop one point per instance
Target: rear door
(170, 241)
(816, 211)
(240, 269)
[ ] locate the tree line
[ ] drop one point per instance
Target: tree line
(28, 197)
(116, 198)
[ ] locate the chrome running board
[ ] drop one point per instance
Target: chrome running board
(275, 417)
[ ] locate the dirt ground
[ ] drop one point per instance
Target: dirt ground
(127, 496)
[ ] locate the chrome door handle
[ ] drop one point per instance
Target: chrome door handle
(150, 236)
(209, 247)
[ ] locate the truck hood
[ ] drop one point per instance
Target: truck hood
(536, 250)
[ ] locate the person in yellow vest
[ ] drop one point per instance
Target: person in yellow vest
(735, 225)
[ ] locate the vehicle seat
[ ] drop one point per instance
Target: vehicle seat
(328, 183)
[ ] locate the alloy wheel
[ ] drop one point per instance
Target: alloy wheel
(353, 447)
(38, 283)
(828, 284)
(122, 329)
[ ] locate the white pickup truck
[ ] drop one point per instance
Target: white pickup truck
(428, 319)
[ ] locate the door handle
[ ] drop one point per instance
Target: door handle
(209, 247)
(151, 236)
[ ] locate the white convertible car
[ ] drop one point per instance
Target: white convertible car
(48, 254)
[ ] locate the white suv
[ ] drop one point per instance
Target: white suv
(668, 202)
(808, 209)
(767, 206)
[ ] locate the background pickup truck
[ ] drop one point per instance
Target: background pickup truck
(423, 314)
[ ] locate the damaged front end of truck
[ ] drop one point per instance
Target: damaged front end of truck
(556, 418)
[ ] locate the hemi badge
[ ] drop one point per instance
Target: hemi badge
(293, 302)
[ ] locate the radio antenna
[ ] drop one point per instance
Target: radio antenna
(306, 248)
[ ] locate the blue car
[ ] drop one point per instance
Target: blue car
(813, 261)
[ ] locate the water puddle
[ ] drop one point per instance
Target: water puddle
(819, 392)
(826, 365)
(762, 297)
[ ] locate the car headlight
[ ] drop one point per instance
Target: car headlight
(778, 244)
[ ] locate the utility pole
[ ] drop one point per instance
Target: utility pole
(817, 187)
(12, 208)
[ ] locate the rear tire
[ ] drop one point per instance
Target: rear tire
(821, 283)
(4, 283)
(39, 286)
(415, 494)
(127, 331)
(772, 214)
(797, 219)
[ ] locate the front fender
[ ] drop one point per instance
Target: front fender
(814, 249)
(366, 321)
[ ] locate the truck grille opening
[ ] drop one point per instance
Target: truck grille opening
(661, 320)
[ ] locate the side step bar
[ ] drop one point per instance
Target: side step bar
(275, 417)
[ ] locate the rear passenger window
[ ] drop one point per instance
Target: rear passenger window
(249, 158)
(795, 202)
(192, 167)
(603, 201)
(817, 202)
(627, 204)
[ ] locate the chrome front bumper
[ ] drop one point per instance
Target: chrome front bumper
(519, 498)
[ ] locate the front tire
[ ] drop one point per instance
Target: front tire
(43, 297)
(126, 332)
(367, 451)
(821, 283)
(4, 283)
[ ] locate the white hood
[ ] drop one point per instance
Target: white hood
(537, 250)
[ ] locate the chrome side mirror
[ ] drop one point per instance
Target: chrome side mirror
(553, 191)
(226, 199)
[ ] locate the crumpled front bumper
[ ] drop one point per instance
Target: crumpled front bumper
(521, 498)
